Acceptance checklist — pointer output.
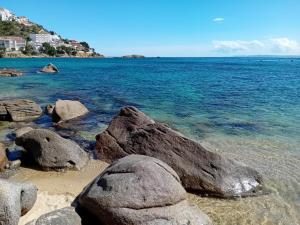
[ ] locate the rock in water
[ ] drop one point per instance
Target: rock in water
(66, 110)
(51, 151)
(139, 190)
(19, 110)
(3, 158)
(50, 68)
(200, 170)
(65, 216)
(10, 73)
(16, 199)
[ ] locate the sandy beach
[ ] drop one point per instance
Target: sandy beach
(57, 189)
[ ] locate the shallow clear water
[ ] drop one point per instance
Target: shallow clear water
(245, 108)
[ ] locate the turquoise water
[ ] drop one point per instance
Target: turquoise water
(245, 108)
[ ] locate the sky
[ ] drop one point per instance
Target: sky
(171, 27)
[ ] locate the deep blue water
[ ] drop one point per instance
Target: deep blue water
(245, 108)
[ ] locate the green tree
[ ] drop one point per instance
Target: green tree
(2, 51)
(85, 45)
(28, 50)
(48, 49)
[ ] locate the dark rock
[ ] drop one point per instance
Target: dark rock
(16, 200)
(19, 110)
(50, 68)
(139, 190)
(10, 73)
(200, 170)
(66, 110)
(65, 216)
(51, 151)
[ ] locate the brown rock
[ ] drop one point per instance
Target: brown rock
(10, 73)
(200, 170)
(3, 158)
(139, 190)
(66, 110)
(19, 110)
(50, 68)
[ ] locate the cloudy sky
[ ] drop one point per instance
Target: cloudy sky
(172, 28)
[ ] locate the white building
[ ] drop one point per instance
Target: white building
(42, 38)
(11, 43)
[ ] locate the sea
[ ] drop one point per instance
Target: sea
(245, 108)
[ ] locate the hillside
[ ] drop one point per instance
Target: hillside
(13, 28)
(37, 41)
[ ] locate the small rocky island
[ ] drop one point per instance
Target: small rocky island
(133, 57)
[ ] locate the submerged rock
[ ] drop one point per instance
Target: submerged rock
(16, 200)
(66, 110)
(19, 110)
(51, 151)
(139, 190)
(10, 73)
(200, 170)
(50, 68)
(65, 216)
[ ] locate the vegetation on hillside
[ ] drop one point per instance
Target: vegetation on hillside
(13, 28)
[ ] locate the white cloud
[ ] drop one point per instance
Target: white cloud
(218, 19)
(276, 46)
(284, 45)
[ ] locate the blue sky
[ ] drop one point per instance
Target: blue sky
(172, 28)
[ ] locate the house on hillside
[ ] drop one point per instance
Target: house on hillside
(76, 45)
(12, 43)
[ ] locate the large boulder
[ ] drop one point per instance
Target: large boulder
(51, 151)
(16, 199)
(139, 190)
(19, 110)
(66, 110)
(65, 216)
(3, 158)
(200, 170)
(50, 68)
